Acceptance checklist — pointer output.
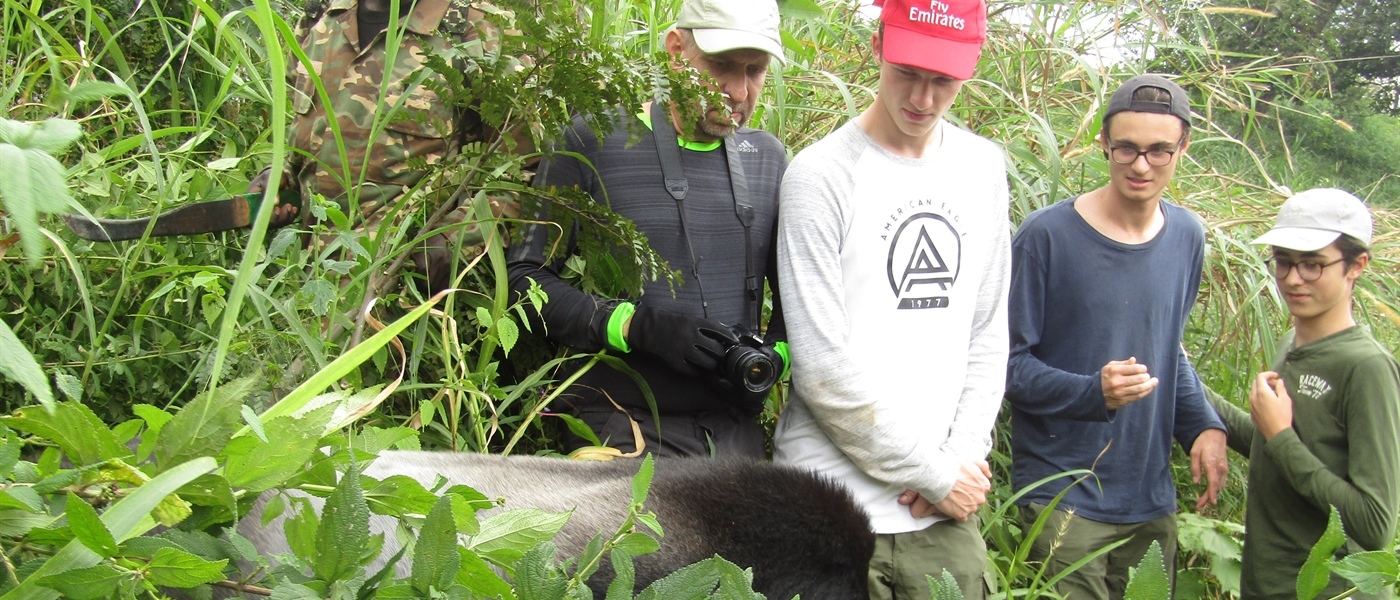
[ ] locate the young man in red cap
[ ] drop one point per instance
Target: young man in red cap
(1324, 425)
(894, 260)
(1102, 286)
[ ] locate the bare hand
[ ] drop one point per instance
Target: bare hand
(1270, 406)
(919, 506)
(1125, 382)
(1208, 453)
(968, 493)
(282, 214)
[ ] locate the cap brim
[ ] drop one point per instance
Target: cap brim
(954, 59)
(715, 41)
(1302, 239)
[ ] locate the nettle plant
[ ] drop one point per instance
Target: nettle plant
(150, 505)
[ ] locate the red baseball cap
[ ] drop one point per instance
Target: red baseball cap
(935, 35)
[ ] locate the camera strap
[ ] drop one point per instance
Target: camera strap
(668, 151)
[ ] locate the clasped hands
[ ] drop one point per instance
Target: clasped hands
(968, 493)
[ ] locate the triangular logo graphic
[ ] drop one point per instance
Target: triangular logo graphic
(924, 261)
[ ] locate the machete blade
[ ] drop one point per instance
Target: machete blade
(201, 217)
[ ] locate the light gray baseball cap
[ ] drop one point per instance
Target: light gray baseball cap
(1313, 219)
(724, 25)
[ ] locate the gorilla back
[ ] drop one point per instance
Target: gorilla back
(800, 533)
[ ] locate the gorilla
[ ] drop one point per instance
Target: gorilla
(801, 533)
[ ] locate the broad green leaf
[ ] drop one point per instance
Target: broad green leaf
(1315, 574)
(464, 515)
(89, 530)
(690, 582)
(86, 584)
(146, 546)
(638, 544)
(253, 422)
(1369, 571)
(508, 333)
(399, 495)
(506, 536)
(9, 454)
(73, 426)
(579, 428)
(478, 576)
(1149, 580)
(71, 387)
(624, 576)
(290, 443)
(9, 499)
(273, 509)
(642, 481)
(211, 490)
(155, 419)
(800, 9)
(127, 431)
(125, 518)
(374, 440)
(344, 531)
(17, 522)
(435, 558)
(301, 530)
(293, 591)
(34, 181)
(180, 569)
(536, 577)
(591, 558)
(945, 587)
(205, 425)
(736, 583)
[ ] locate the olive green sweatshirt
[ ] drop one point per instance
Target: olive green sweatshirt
(1343, 450)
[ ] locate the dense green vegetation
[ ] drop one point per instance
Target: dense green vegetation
(169, 102)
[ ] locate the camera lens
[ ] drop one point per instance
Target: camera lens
(751, 368)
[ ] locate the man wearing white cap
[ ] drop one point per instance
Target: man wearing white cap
(894, 257)
(1323, 428)
(705, 193)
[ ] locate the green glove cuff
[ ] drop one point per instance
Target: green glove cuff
(620, 315)
(782, 349)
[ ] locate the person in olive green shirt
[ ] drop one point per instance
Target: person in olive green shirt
(1324, 425)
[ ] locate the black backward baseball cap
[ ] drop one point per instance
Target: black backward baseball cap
(1122, 100)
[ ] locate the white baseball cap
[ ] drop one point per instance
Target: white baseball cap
(724, 25)
(1313, 219)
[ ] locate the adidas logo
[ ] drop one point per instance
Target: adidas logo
(745, 146)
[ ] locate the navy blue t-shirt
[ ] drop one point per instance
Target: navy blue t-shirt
(1079, 300)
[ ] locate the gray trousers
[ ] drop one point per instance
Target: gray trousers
(1067, 538)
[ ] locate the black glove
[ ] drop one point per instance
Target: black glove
(693, 346)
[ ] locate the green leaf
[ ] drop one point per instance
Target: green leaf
(624, 576)
(203, 427)
(800, 9)
(19, 522)
(319, 295)
(73, 426)
(86, 584)
(18, 364)
(273, 509)
(1369, 571)
(9, 454)
(736, 583)
(301, 530)
(478, 576)
(180, 569)
(642, 481)
(508, 333)
(290, 442)
(254, 423)
(693, 582)
(344, 531)
(89, 530)
(71, 387)
(581, 429)
(34, 181)
(211, 490)
(294, 591)
(94, 90)
(155, 419)
(638, 544)
(1315, 574)
(945, 587)
(506, 536)
(127, 517)
(435, 558)
(9, 501)
(1149, 580)
(536, 577)
(400, 495)
(464, 515)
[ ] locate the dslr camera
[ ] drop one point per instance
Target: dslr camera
(745, 370)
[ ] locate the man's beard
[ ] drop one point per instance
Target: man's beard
(717, 129)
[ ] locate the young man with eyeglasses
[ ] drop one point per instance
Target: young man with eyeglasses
(1101, 288)
(1324, 424)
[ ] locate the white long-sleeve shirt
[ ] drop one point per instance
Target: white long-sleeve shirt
(894, 277)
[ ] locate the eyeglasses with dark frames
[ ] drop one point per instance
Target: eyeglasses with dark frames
(1309, 270)
(1157, 157)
